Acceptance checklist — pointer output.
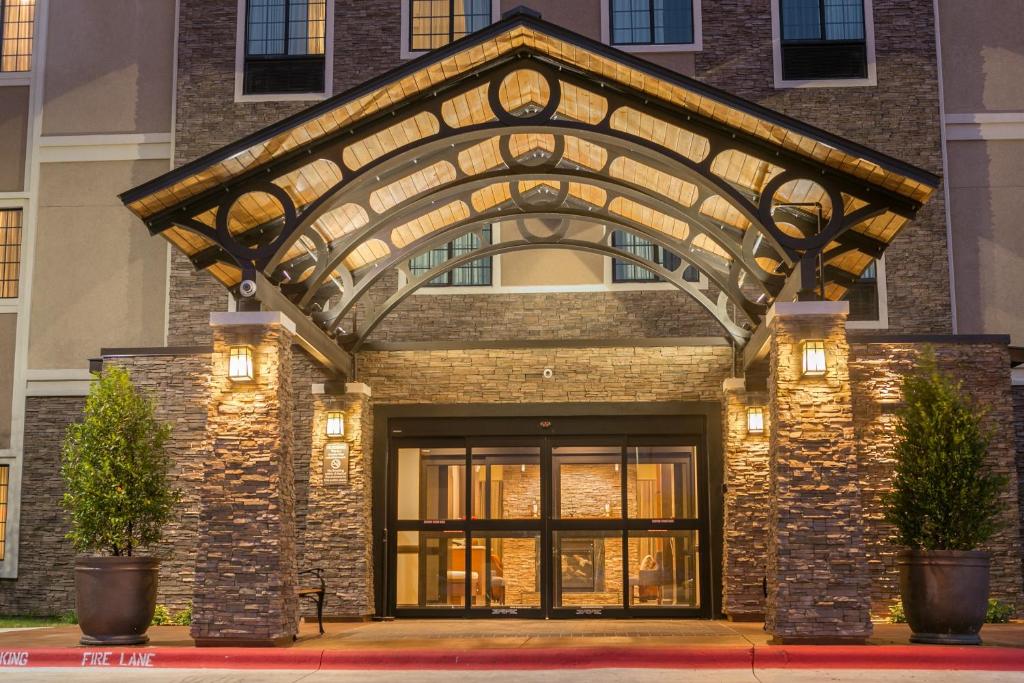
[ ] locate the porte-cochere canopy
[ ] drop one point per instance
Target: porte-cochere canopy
(528, 124)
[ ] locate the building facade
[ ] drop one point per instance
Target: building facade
(565, 429)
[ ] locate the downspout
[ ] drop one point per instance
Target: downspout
(945, 168)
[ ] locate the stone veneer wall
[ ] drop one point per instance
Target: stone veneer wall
(514, 375)
(45, 583)
(179, 385)
(338, 535)
(1018, 422)
(745, 544)
(875, 373)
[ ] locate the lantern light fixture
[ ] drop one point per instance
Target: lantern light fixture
(814, 358)
(240, 365)
(335, 424)
(755, 420)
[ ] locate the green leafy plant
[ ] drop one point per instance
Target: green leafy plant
(896, 615)
(943, 496)
(184, 617)
(999, 612)
(161, 615)
(115, 470)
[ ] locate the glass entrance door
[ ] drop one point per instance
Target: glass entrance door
(547, 527)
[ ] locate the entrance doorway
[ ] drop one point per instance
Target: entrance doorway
(606, 517)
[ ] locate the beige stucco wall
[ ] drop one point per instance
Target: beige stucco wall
(8, 328)
(109, 66)
(99, 278)
(986, 186)
(552, 266)
(13, 137)
(982, 55)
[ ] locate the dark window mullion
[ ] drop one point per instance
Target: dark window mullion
(822, 31)
(650, 27)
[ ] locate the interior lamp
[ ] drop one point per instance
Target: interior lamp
(755, 420)
(814, 358)
(335, 424)
(240, 364)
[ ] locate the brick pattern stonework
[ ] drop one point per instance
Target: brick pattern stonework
(818, 585)
(745, 544)
(876, 370)
(45, 583)
(246, 567)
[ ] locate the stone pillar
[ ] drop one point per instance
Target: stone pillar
(245, 563)
(818, 582)
(746, 505)
(339, 524)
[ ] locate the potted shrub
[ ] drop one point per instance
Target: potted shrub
(945, 504)
(118, 497)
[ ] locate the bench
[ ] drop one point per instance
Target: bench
(315, 593)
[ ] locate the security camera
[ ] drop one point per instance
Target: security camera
(548, 373)
(247, 288)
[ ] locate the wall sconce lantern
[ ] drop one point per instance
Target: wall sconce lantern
(755, 420)
(240, 367)
(335, 424)
(814, 358)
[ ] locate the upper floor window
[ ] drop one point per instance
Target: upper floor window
(477, 273)
(285, 43)
(434, 23)
(823, 39)
(652, 22)
(16, 33)
(863, 295)
(10, 252)
(627, 271)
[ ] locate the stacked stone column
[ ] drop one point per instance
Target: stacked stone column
(818, 581)
(246, 561)
(746, 503)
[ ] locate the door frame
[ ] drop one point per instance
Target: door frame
(699, 419)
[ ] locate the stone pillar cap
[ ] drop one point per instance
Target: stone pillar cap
(797, 308)
(228, 318)
(734, 384)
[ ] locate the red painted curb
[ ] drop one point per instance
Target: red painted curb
(723, 657)
(706, 657)
(923, 657)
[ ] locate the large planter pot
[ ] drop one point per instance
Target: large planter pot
(945, 595)
(115, 598)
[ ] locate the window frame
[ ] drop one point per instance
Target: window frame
(406, 51)
(696, 46)
(21, 77)
(883, 307)
(241, 54)
(660, 257)
(869, 47)
(12, 304)
(448, 274)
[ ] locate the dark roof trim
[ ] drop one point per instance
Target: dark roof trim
(526, 19)
(881, 338)
(155, 351)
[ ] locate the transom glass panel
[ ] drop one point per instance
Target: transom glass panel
(506, 483)
(431, 483)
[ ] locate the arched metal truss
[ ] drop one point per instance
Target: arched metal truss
(530, 139)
